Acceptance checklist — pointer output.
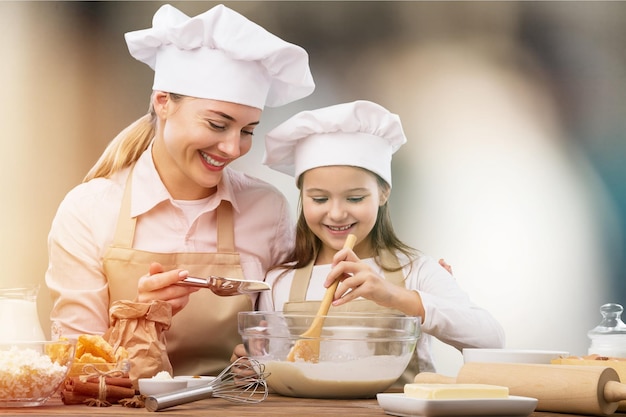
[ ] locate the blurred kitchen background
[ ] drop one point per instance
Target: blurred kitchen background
(515, 169)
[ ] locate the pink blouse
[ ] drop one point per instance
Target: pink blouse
(85, 222)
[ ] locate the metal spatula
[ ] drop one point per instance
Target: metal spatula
(225, 287)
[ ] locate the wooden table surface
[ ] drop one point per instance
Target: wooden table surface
(275, 405)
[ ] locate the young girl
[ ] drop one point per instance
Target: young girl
(340, 157)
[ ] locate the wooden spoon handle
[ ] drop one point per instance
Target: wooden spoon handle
(309, 349)
(330, 291)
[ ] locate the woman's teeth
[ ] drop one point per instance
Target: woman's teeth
(212, 161)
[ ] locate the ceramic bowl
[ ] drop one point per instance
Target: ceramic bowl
(195, 380)
(156, 386)
(511, 355)
(32, 372)
(361, 354)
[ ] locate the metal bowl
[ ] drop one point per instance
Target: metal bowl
(361, 354)
(32, 372)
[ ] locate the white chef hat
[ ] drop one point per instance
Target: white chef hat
(360, 133)
(221, 55)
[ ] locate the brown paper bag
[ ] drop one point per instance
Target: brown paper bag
(140, 328)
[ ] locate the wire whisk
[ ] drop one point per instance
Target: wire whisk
(243, 381)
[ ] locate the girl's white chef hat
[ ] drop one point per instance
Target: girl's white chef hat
(221, 55)
(360, 133)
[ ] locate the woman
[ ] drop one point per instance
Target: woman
(341, 157)
(162, 203)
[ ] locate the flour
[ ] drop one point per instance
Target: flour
(360, 378)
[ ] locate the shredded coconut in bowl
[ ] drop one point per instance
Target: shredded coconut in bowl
(28, 376)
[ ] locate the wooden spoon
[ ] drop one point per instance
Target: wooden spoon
(308, 349)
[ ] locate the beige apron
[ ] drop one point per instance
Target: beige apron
(297, 303)
(202, 336)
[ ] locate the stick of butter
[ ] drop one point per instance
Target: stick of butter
(455, 391)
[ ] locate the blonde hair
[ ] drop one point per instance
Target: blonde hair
(128, 145)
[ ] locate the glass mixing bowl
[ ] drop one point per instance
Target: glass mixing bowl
(31, 372)
(360, 354)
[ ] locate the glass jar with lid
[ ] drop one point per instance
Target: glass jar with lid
(609, 337)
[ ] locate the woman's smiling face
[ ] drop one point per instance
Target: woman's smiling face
(196, 139)
(337, 201)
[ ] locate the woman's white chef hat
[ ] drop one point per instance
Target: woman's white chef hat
(221, 55)
(360, 133)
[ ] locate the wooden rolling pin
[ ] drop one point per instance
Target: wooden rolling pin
(593, 390)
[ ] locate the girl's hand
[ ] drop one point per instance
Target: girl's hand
(340, 269)
(160, 285)
(243, 370)
(238, 352)
(357, 279)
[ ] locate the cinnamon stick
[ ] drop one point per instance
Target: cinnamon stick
(76, 392)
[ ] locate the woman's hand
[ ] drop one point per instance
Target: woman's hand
(160, 285)
(445, 265)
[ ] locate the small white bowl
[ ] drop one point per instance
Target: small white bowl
(511, 355)
(195, 380)
(154, 386)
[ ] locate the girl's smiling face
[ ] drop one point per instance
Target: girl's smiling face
(196, 139)
(338, 200)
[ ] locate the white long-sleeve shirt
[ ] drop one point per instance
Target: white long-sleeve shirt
(450, 315)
